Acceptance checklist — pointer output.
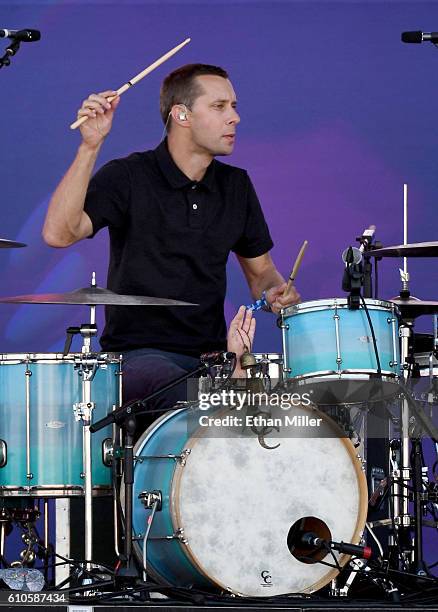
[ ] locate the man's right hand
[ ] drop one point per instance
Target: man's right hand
(100, 114)
(66, 221)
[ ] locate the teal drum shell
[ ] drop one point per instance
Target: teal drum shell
(38, 429)
(156, 454)
(324, 338)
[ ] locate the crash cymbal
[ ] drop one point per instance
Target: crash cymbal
(419, 249)
(412, 307)
(92, 296)
(10, 244)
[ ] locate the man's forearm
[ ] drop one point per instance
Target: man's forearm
(65, 220)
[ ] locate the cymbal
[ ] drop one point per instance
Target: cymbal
(412, 307)
(10, 244)
(418, 249)
(92, 296)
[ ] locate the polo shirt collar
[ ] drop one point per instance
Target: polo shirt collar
(175, 177)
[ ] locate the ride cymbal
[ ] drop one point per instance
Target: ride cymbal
(92, 296)
(10, 244)
(419, 249)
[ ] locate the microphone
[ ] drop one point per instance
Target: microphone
(351, 258)
(419, 37)
(21, 35)
(351, 255)
(217, 357)
(313, 541)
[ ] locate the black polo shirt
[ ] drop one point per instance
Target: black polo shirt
(170, 237)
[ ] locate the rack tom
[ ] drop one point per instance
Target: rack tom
(324, 340)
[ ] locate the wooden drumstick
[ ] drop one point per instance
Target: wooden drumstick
(137, 78)
(297, 264)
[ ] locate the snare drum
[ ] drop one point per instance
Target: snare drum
(230, 504)
(41, 447)
(326, 339)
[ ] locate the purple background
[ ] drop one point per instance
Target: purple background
(336, 115)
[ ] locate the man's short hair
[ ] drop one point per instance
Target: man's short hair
(181, 87)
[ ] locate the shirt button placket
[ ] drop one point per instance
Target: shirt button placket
(194, 203)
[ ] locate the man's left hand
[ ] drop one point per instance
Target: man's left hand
(241, 332)
(275, 299)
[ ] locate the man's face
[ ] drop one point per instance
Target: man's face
(213, 116)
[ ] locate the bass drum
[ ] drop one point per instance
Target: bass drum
(234, 504)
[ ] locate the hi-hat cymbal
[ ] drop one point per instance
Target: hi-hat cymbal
(93, 296)
(10, 244)
(412, 307)
(418, 249)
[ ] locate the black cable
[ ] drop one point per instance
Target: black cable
(77, 565)
(370, 323)
(338, 567)
(305, 559)
(193, 595)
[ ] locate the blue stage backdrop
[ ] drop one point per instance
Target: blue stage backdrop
(336, 114)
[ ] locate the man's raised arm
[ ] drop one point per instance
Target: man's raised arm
(66, 222)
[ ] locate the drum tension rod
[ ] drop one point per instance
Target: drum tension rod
(181, 459)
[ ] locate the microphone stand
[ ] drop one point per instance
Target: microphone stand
(367, 276)
(125, 417)
(366, 245)
(9, 52)
(424, 425)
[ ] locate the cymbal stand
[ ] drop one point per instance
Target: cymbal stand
(404, 274)
(400, 451)
(419, 424)
(401, 473)
(403, 521)
(83, 411)
(405, 473)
